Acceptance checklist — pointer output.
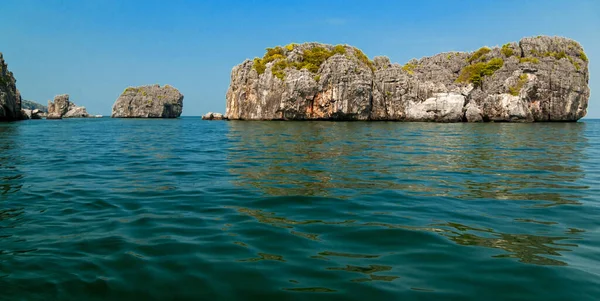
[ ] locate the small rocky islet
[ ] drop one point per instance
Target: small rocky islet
(152, 101)
(62, 107)
(536, 79)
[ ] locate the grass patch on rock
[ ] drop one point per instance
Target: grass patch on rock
(409, 68)
(479, 54)
(506, 50)
(516, 89)
(475, 73)
(529, 59)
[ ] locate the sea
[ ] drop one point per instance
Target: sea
(186, 209)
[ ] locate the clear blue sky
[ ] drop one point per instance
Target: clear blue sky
(94, 49)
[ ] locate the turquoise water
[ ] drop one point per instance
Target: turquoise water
(118, 209)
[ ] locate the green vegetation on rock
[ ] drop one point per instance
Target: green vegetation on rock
(476, 72)
(290, 47)
(311, 59)
(260, 65)
(575, 63)
(364, 58)
(560, 55)
(529, 59)
(516, 89)
(506, 50)
(556, 55)
(479, 54)
(279, 67)
(410, 68)
(583, 56)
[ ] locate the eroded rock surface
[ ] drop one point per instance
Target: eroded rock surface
(10, 98)
(537, 79)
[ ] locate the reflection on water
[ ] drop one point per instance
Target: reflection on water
(425, 168)
(534, 249)
(493, 161)
(10, 175)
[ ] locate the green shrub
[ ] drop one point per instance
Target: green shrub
(364, 59)
(290, 47)
(316, 56)
(317, 78)
(479, 54)
(339, 49)
(529, 59)
(576, 64)
(583, 56)
(260, 65)
(515, 90)
(278, 69)
(556, 55)
(476, 72)
(311, 60)
(410, 68)
(506, 50)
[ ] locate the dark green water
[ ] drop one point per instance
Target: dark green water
(188, 210)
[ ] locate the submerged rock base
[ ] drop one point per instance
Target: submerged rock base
(537, 79)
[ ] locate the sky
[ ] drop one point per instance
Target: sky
(94, 49)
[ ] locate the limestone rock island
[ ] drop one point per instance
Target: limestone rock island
(62, 107)
(536, 79)
(151, 101)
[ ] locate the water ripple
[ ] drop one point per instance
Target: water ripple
(186, 209)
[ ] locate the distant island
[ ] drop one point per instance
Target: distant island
(32, 105)
(537, 79)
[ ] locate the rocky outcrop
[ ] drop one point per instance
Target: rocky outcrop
(213, 116)
(10, 98)
(62, 107)
(537, 79)
(149, 102)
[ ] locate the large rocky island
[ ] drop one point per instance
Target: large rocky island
(151, 101)
(10, 98)
(536, 79)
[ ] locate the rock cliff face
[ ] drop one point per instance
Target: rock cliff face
(61, 107)
(149, 102)
(537, 79)
(10, 98)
